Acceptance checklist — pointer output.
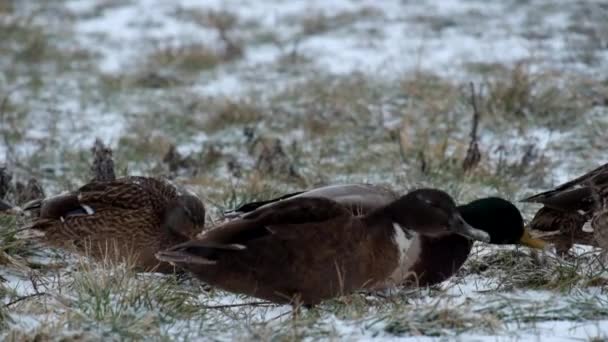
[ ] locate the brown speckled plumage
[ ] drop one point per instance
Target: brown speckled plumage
(129, 218)
(561, 228)
(569, 206)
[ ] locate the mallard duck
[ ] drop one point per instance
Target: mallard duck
(129, 218)
(568, 207)
(307, 249)
(429, 260)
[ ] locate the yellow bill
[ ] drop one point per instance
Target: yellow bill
(527, 240)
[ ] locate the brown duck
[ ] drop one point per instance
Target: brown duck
(569, 206)
(307, 249)
(128, 218)
(429, 260)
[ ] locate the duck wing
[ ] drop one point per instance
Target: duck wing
(123, 193)
(90, 199)
(251, 206)
(565, 200)
(572, 195)
(359, 198)
(288, 219)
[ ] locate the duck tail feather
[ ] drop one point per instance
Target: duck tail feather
(32, 205)
(183, 257)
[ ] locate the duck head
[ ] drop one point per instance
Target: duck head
(433, 213)
(185, 215)
(501, 220)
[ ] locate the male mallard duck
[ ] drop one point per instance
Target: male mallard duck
(568, 207)
(307, 249)
(429, 260)
(129, 218)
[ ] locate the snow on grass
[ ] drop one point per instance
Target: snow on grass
(401, 37)
(463, 308)
(387, 39)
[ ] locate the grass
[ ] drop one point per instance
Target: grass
(292, 126)
(320, 22)
(128, 305)
(185, 58)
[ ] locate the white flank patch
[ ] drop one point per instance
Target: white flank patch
(587, 228)
(409, 250)
(403, 243)
(88, 209)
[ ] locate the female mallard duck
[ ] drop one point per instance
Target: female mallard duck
(569, 206)
(307, 249)
(429, 260)
(128, 218)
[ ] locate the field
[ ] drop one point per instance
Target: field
(244, 100)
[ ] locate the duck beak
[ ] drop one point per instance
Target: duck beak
(461, 227)
(527, 240)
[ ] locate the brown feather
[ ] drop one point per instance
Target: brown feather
(131, 218)
(569, 206)
(308, 248)
(561, 189)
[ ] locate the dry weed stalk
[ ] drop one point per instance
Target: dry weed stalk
(473, 156)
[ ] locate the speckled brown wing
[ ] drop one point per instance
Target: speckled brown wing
(548, 219)
(127, 193)
(561, 228)
(115, 233)
(119, 219)
(131, 193)
(568, 207)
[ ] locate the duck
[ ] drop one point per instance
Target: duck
(568, 207)
(430, 260)
(126, 219)
(304, 250)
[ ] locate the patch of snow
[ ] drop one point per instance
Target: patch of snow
(401, 39)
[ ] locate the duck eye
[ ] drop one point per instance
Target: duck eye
(426, 200)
